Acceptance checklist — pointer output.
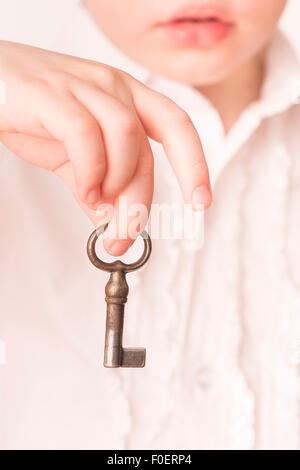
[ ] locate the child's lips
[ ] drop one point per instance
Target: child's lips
(196, 25)
(204, 32)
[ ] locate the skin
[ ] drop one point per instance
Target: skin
(232, 65)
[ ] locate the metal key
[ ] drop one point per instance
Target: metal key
(116, 291)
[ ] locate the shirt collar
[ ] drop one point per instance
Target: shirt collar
(281, 88)
(280, 92)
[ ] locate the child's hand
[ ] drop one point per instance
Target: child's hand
(88, 123)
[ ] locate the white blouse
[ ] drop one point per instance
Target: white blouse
(221, 324)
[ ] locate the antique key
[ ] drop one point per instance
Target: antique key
(116, 291)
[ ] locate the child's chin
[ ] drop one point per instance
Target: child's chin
(198, 75)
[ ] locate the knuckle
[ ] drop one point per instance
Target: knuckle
(39, 83)
(181, 117)
(114, 79)
(58, 79)
(52, 83)
(109, 191)
(83, 125)
(128, 125)
(122, 74)
(36, 85)
(111, 80)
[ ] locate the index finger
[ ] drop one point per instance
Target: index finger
(165, 122)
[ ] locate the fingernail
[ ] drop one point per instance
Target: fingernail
(201, 198)
(118, 247)
(93, 195)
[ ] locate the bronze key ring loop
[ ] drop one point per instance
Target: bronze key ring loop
(117, 265)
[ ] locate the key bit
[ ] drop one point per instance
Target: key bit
(116, 291)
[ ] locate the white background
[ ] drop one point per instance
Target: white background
(32, 21)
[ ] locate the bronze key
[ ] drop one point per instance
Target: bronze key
(116, 291)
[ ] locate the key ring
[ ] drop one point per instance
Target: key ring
(117, 265)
